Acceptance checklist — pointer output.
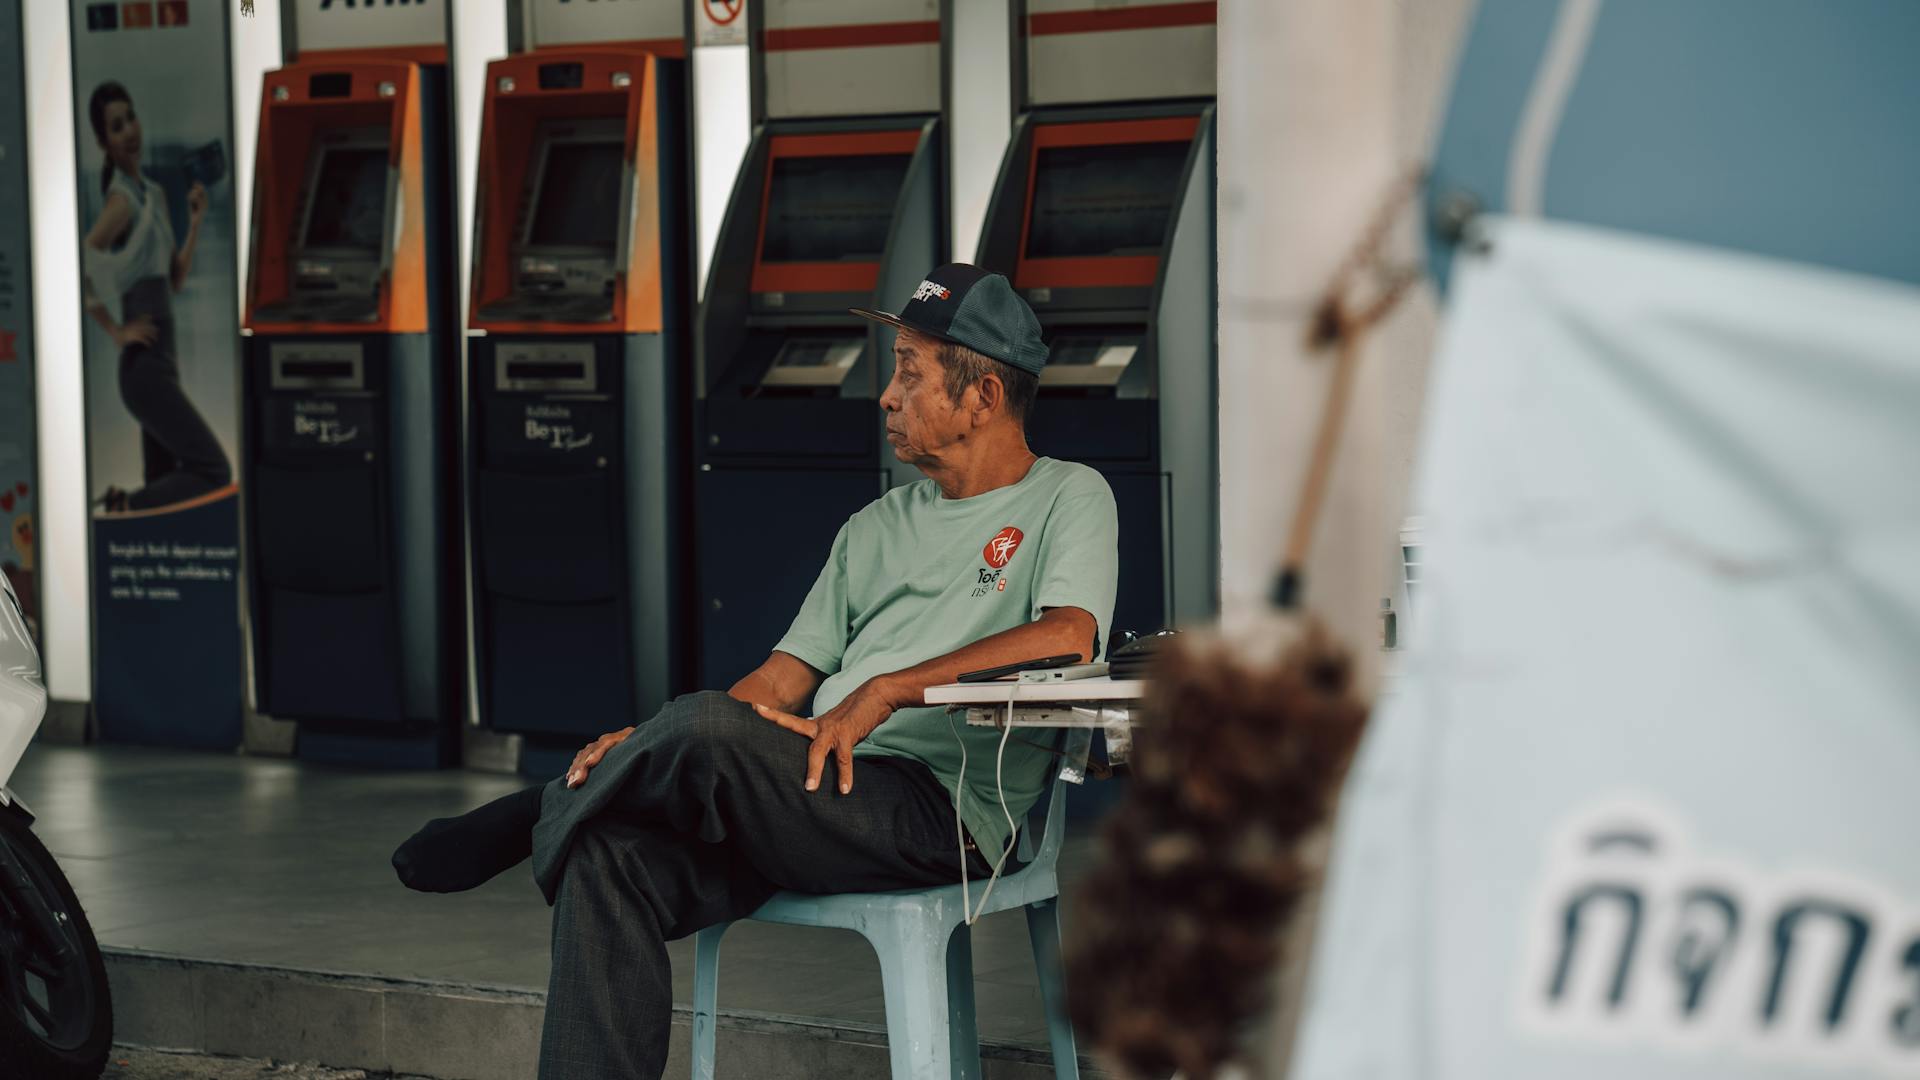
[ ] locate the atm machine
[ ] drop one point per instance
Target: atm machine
(577, 359)
(348, 436)
(840, 202)
(1103, 218)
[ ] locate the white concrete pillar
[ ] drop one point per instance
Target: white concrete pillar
(65, 626)
(255, 50)
(1323, 105)
(722, 128)
(980, 109)
(1306, 154)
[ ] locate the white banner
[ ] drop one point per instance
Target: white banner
(586, 22)
(366, 24)
(1644, 803)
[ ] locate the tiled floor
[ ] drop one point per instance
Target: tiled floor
(275, 862)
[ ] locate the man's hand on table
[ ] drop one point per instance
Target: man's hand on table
(590, 755)
(838, 729)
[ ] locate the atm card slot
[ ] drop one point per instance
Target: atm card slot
(330, 84)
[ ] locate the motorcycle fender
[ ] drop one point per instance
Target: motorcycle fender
(10, 801)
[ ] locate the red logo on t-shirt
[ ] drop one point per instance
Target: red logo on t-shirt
(1001, 547)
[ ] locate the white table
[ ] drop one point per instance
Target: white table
(1111, 706)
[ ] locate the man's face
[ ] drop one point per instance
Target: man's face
(922, 422)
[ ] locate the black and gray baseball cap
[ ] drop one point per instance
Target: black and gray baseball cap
(962, 303)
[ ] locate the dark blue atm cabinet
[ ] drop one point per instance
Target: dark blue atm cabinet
(1103, 218)
(577, 360)
(349, 475)
(788, 433)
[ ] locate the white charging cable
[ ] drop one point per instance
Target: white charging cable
(968, 911)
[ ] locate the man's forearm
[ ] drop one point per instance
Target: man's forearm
(1057, 632)
(755, 688)
(783, 682)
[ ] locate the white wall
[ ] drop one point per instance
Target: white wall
(479, 37)
(1324, 103)
(255, 51)
(53, 191)
(980, 107)
(722, 128)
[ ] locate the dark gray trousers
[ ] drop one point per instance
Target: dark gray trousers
(180, 456)
(701, 817)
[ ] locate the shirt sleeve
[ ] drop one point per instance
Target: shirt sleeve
(1080, 557)
(818, 636)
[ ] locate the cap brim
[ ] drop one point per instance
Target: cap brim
(899, 323)
(887, 317)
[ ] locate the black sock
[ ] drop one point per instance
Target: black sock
(460, 853)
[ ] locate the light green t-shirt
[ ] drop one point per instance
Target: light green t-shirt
(914, 575)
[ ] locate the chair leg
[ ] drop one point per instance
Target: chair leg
(913, 956)
(706, 997)
(1043, 925)
(963, 1029)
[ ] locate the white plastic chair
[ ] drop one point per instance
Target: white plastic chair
(926, 958)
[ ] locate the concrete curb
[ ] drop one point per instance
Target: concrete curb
(456, 1031)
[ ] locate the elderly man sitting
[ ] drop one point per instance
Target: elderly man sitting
(699, 815)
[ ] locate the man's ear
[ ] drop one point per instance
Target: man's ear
(993, 397)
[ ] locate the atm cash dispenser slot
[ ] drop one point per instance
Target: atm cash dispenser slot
(548, 408)
(316, 366)
(1090, 362)
(317, 401)
(813, 363)
(544, 368)
(791, 396)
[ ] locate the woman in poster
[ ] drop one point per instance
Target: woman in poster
(131, 258)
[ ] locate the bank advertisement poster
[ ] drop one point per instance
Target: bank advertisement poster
(153, 144)
(18, 479)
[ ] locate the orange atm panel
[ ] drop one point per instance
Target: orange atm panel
(338, 201)
(568, 233)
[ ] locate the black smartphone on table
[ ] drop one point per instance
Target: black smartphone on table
(1004, 670)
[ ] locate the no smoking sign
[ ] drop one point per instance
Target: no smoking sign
(720, 23)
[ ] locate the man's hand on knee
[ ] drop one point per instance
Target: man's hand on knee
(838, 730)
(590, 755)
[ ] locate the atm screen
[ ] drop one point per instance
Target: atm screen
(579, 200)
(832, 209)
(1092, 201)
(349, 200)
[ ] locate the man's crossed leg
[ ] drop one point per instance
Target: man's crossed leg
(707, 818)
